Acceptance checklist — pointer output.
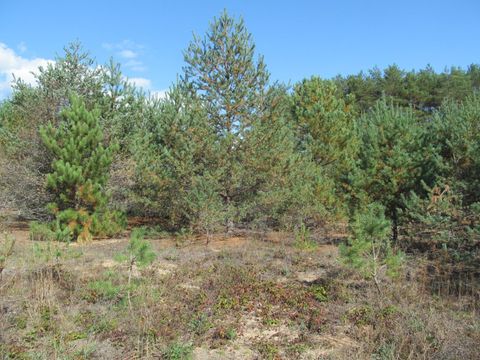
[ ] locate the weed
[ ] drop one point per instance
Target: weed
(178, 351)
(267, 350)
(200, 324)
(102, 290)
(361, 315)
(303, 240)
(41, 232)
(319, 292)
(270, 321)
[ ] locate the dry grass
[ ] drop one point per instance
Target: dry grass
(249, 297)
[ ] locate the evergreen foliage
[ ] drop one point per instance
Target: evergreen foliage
(369, 249)
(448, 217)
(80, 170)
(226, 148)
(326, 123)
(423, 90)
(173, 152)
(392, 158)
(232, 86)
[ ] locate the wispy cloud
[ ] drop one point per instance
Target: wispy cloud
(13, 65)
(129, 53)
(22, 47)
(135, 65)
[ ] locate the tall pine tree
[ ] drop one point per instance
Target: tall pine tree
(232, 85)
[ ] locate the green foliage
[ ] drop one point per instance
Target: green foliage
(80, 170)
(200, 324)
(369, 250)
(221, 68)
(232, 87)
(422, 90)
(103, 290)
(206, 206)
(48, 232)
(139, 251)
(53, 251)
(394, 157)
(40, 232)
(319, 292)
(173, 154)
(326, 124)
(455, 131)
(303, 238)
(178, 351)
(109, 223)
(227, 148)
(447, 217)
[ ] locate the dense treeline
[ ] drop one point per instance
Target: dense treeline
(228, 148)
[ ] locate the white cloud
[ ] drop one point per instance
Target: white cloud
(128, 51)
(128, 54)
(22, 47)
(144, 83)
(135, 65)
(12, 64)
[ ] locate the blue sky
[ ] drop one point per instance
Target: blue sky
(297, 38)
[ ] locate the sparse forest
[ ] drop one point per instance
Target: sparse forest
(238, 217)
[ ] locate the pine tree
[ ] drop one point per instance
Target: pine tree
(326, 125)
(222, 71)
(173, 151)
(393, 158)
(79, 170)
(368, 250)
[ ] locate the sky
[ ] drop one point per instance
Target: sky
(298, 39)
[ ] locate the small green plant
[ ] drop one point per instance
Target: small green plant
(104, 290)
(49, 232)
(139, 253)
(40, 232)
(178, 351)
(109, 223)
(267, 350)
(303, 238)
(319, 292)
(368, 249)
(360, 316)
(181, 236)
(154, 232)
(231, 334)
(200, 324)
(49, 251)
